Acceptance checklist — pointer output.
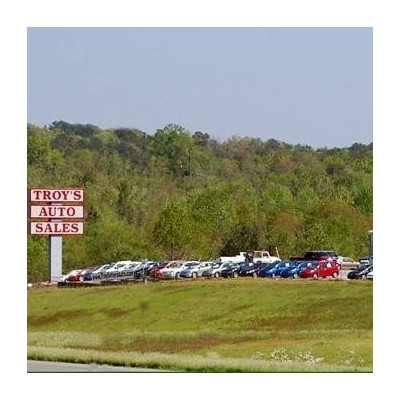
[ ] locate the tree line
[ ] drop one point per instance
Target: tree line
(178, 194)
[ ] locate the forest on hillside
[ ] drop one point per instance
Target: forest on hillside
(179, 194)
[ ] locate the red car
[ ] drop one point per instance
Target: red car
(76, 275)
(154, 271)
(322, 270)
(158, 273)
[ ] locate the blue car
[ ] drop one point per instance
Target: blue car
(293, 271)
(277, 269)
(262, 272)
(287, 271)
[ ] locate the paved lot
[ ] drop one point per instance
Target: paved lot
(49, 366)
(343, 274)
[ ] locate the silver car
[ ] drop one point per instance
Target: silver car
(215, 270)
(195, 270)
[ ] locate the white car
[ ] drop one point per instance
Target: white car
(140, 270)
(370, 275)
(129, 269)
(174, 270)
(117, 268)
(347, 263)
(98, 273)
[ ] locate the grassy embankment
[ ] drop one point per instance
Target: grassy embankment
(207, 325)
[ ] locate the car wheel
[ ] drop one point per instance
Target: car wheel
(194, 275)
(335, 275)
(295, 276)
(177, 275)
(81, 279)
(255, 275)
(216, 274)
(235, 274)
(315, 276)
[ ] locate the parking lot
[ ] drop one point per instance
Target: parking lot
(124, 272)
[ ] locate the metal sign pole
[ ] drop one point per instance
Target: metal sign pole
(55, 258)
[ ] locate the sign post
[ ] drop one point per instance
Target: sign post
(55, 258)
(55, 212)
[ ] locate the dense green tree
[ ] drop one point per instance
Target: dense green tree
(176, 194)
(285, 233)
(174, 143)
(38, 146)
(37, 250)
(173, 229)
(364, 199)
(307, 199)
(84, 130)
(200, 138)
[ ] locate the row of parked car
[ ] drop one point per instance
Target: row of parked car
(182, 269)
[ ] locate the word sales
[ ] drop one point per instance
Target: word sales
(56, 228)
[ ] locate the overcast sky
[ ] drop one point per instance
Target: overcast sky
(299, 85)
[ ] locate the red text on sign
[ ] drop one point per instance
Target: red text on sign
(56, 195)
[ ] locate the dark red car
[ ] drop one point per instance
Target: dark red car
(75, 275)
(158, 272)
(323, 269)
(154, 271)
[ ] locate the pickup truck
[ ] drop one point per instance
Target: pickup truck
(263, 256)
(251, 256)
(233, 259)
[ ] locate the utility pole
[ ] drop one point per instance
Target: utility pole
(189, 166)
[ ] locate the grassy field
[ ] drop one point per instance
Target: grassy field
(207, 325)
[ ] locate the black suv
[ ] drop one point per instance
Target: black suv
(317, 255)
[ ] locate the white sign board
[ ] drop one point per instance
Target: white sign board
(60, 211)
(56, 228)
(56, 195)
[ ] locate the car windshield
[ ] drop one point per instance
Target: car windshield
(307, 264)
(363, 268)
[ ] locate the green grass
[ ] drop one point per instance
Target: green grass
(207, 325)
